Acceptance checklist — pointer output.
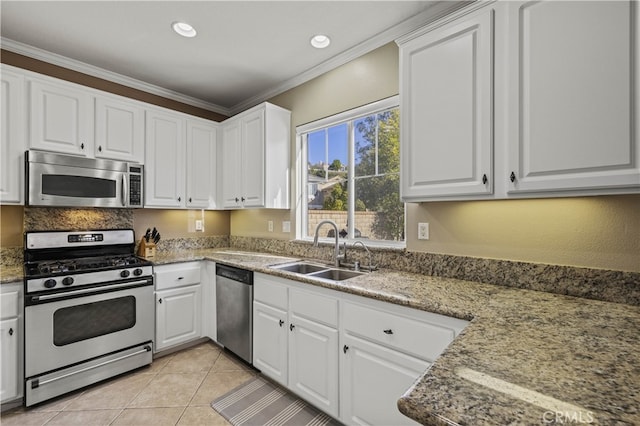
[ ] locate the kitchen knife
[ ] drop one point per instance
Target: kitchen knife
(154, 233)
(147, 235)
(156, 238)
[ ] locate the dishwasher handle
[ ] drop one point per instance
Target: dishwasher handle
(235, 274)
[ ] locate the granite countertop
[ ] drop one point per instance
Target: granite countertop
(526, 357)
(11, 274)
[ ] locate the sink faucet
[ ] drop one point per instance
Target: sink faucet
(337, 257)
(371, 267)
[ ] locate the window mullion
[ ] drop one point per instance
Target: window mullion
(351, 186)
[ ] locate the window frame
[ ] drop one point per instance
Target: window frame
(348, 117)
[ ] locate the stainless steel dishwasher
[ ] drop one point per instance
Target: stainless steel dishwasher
(234, 303)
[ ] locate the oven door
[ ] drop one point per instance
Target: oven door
(68, 186)
(70, 327)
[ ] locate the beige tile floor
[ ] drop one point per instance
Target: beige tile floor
(175, 390)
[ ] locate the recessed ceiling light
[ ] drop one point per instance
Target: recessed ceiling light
(320, 41)
(184, 29)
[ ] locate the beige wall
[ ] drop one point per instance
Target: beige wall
(180, 223)
(11, 226)
(595, 232)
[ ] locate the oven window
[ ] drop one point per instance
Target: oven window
(78, 186)
(82, 322)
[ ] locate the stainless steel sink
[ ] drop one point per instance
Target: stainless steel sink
(317, 271)
(300, 268)
(336, 274)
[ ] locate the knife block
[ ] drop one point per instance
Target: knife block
(146, 249)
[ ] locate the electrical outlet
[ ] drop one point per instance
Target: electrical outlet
(286, 226)
(270, 225)
(199, 225)
(423, 231)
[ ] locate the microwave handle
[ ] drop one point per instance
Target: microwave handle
(125, 190)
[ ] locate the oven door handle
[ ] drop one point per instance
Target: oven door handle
(87, 290)
(39, 383)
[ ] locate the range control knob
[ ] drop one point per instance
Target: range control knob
(67, 281)
(137, 272)
(125, 273)
(50, 283)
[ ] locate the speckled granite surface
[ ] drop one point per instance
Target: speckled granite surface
(597, 284)
(526, 358)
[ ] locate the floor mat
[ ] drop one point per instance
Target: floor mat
(262, 403)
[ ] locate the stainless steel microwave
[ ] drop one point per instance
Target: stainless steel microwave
(70, 181)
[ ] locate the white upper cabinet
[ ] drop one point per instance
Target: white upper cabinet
(446, 119)
(201, 164)
(12, 132)
(60, 117)
(255, 158)
(72, 119)
(573, 95)
(119, 131)
(164, 159)
(180, 160)
(522, 99)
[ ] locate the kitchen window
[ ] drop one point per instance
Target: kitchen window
(349, 170)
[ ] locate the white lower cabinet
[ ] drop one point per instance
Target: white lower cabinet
(373, 379)
(11, 342)
(385, 349)
(178, 304)
(350, 356)
(270, 336)
(296, 340)
(209, 325)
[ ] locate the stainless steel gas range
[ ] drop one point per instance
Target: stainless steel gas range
(89, 310)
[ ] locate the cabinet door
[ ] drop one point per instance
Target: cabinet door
(373, 379)
(313, 363)
(164, 160)
(573, 95)
(201, 164)
(270, 341)
(60, 118)
(447, 110)
(178, 316)
(119, 129)
(9, 359)
(12, 144)
(231, 167)
(253, 159)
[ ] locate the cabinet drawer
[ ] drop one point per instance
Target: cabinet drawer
(422, 339)
(9, 304)
(270, 292)
(177, 275)
(314, 307)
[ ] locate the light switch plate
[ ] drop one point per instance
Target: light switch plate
(286, 226)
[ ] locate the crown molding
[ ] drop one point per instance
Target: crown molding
(434, 12)
(82, 67)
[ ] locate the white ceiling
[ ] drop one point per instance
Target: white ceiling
(245, 51)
